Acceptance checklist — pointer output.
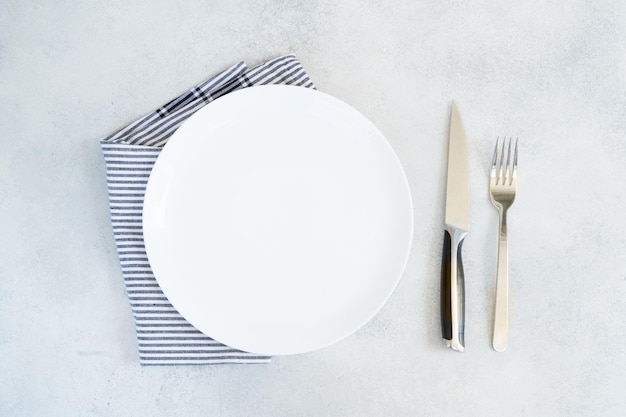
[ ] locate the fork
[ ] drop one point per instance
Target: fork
(502, 187)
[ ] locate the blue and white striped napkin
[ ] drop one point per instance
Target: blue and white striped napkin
(164, 336)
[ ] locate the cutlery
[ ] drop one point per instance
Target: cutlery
(456, 228)
(502, 188)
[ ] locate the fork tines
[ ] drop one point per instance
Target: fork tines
(504, 171)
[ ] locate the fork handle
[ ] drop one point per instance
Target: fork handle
(453, 290)
(501, 317)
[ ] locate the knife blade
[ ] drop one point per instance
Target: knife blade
(456, 228)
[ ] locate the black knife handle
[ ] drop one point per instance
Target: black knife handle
(453, 291)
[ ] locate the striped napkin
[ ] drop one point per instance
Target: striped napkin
(164, 336)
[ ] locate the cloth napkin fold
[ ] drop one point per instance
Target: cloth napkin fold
(164, 336)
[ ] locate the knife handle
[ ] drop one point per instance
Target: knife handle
(453, 290)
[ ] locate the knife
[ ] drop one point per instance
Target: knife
(456, 227)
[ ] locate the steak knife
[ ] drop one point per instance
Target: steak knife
(456, 228)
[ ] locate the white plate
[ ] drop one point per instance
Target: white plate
(277, 220)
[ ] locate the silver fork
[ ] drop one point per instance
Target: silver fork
(502, 187)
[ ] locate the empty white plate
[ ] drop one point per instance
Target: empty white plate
(277, 220)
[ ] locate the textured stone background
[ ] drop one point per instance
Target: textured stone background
(552, 73)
